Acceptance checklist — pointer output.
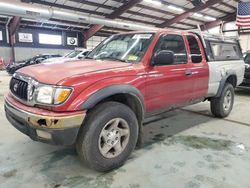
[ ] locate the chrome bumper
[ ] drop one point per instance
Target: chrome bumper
(52, 128)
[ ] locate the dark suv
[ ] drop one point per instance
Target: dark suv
(246, 81)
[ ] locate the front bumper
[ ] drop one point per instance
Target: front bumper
(51, 127)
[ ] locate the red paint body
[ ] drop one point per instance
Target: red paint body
(162, 86)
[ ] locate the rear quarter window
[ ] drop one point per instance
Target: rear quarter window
(225, 51)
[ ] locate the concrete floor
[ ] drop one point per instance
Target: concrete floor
(186, 148)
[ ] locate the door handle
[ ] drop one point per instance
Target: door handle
(188, 73)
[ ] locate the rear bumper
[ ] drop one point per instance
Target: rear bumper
(51, 128)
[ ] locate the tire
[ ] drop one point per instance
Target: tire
(218, 106)
(91, 143)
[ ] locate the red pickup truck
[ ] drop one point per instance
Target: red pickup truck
(99, 103)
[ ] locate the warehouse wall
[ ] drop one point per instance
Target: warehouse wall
(25, 53)
(24, 50)
(245, 42)
(21, 52)
(5, 53)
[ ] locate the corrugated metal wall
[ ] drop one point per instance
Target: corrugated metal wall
(25, 53)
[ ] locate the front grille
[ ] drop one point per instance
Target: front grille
(19, 88)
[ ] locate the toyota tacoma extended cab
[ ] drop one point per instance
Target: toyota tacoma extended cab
(99, 104)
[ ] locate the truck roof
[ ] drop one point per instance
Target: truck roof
(205, 35)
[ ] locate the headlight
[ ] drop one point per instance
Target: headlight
(45, 95)
(52, 95)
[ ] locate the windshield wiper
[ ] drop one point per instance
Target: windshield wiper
(87, 57)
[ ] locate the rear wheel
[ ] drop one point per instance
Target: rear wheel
(222, 106)
(108, 136)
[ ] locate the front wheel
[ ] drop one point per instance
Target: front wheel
(108, 136)
(223, 105)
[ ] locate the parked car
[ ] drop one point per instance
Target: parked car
(246, 81)
(78, 53)
(12, 68)
(99, 105)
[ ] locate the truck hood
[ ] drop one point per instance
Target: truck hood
(52, 73)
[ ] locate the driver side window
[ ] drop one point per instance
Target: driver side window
(174, 44)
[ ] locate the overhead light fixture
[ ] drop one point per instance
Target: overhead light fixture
(172, 7)
(155, 2)
(210, 18)
(198, 15)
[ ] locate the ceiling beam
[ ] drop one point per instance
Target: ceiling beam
(116, 9)
(13, 27)
(189, 13)
(115, 14)
(128, 11)
(219, 10)
(153, 17)
(210, 25)
(163, 12)
(67, 7)
(122, 9)
(79, 9)
(228, 6)
(94, 4)
(14, 24)
(92, 30)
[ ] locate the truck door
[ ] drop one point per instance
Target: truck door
(199, 69)
(169, 86)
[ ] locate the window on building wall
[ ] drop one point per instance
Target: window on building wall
(50, 39)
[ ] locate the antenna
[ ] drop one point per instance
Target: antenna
(202, 37)
(221, 30)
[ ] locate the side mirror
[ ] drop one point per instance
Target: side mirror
(196, 58)
(247, 66)
(163, 57)
(80, 57)
(39, 60)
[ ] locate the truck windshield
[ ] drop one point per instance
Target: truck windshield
(125, 47)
